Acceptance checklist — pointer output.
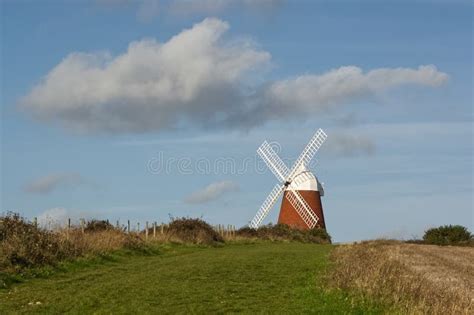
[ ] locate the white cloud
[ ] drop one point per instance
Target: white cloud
(308, 94)
(197, 78)
(212, 192)
(48, 183)
(194, 77)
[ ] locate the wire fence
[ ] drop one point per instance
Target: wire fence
(149, 229)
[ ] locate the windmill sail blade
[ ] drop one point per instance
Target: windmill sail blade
(267, 205)
(273, 161)
(308, 153)
(302, 207)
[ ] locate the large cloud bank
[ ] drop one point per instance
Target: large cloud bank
(197, 78)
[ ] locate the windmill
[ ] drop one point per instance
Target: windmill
(301, 204)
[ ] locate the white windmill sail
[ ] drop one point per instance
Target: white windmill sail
(267, 205)
(309, 151)
(273, 161)
(302, 207)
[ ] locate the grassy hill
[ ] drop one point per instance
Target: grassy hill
(261, 277)
(190, 267)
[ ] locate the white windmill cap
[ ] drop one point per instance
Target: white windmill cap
(305, 180)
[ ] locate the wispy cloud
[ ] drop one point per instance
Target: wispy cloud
(217, 6)
(148, 10)
(212, 192)
(344, 144)
(198, 78)
(48, 183)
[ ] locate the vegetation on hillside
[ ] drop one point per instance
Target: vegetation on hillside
(406, 278)
(194, 231)
(416, 279)
(448, 235)
(24, 245)
(282, 232)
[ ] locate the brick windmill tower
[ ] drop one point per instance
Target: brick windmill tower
(301, 205)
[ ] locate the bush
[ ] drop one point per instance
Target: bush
(22, 244)
(321, 234)
(448, 235)
(98, 225)
(194, 231)
(285, 232)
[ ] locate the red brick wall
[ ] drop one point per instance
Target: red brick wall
(289, 216)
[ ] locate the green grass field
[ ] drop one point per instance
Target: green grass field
(263, 278)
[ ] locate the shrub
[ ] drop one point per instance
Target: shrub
(22, 244)
(448, 235)
(194, 231)
(98, 225)
(321, 234)
(285, 232)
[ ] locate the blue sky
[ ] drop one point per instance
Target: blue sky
(85, 113)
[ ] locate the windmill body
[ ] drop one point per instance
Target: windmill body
(301, 204)
(308, 186)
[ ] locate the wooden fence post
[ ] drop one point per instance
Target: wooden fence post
(68, 228)
(128, 226)
(154, 229)
(146, 230)
(35, 222)
(162, 227)
(138, 227)
(82, 225)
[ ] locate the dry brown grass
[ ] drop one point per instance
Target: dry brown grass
(23, 245)
(99, 242)
(414, 279)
